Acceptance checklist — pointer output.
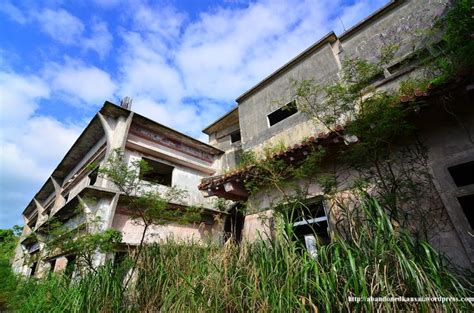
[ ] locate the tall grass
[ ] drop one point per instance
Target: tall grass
(269, 276)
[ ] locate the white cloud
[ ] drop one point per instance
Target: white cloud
(63, 27)
(163, 21)
(89, 84)
(13, 12)
(145, 71)
(31, 145)
(18, 98)
(60, 25)
(100, 40)
(185, 117)
(168, 58)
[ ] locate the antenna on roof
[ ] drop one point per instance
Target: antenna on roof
(126, 103)
(343, 26)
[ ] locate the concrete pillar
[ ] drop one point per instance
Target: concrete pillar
(60, 200)
(116, 131)
(42, 215)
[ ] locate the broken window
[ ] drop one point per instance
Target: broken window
(70, 265)
(119, 258)
(52, 265)
(467, 205)
(33, 269)
(233, 225)
(282, 113)
(158, 173)
(462, 174)
(310, 225)
(235, 136)
(93, 176)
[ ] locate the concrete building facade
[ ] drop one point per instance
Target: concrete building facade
(206, 170)
(182, 160)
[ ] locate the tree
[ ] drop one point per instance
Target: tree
(146, 204)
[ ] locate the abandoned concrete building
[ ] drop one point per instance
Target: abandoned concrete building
(265, 115)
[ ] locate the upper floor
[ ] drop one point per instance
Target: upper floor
(268, 113)
(175, 160)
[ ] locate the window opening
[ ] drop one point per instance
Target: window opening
(119, 257)
(158, 173)
(467, 205)
(70, 265)
(310, 225)
(93, 176)
(52, 265)
(233, 225)
(282, 113)
(235, 137)
(462, 174)
(33, 269)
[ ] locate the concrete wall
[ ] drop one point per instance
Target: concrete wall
(405, 26)
(402, 25)
(451, 143)
(258, 226)
(322, 67)
(221, 140)
(132, 231)
(183, 177)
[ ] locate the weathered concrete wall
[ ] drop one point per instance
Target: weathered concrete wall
(258, 226)
(79, 186)
(185, 178)
(143, 139)
(221, 140)
(322, 67)
(60, 265)
(132, 231)
(451, 143)
(405, 26)
(402, 25)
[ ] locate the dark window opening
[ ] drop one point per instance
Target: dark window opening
(310, 226)
(32, 248)
(282, 113)
(467, 205)
(93, 176)
(52, 265)
(234, 223)
(234, 137)
(33, 269)
(462, 174)
(158, 173)
(70, 265)
(119, 258)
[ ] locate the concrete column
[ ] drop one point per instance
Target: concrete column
(60, 200)
(116, 132)
(42, 215)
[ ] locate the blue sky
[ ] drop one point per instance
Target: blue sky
(182, 62)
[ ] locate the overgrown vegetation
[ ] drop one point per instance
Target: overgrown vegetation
(275, 276)
(8, 241)
(374, 252)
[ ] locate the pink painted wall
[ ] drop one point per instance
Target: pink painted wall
(132, 231)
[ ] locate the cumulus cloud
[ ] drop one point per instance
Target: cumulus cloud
(86, 83)
(60, 25)
(63, 27)
(167, 57)
(100, 39)
(19, 96)
(30, 145)
(13, 12)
